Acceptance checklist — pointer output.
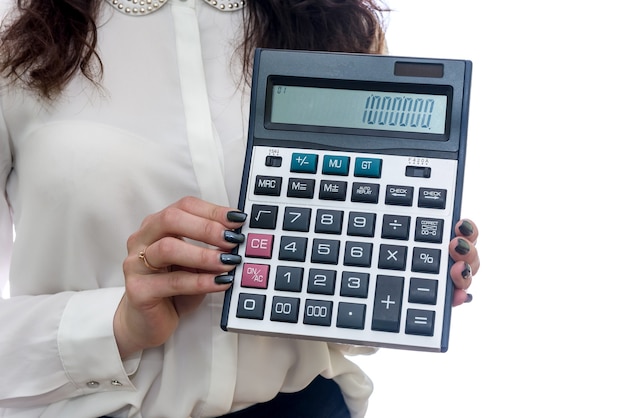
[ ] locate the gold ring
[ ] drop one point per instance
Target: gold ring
(142, 257)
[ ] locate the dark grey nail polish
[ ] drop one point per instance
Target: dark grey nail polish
(467, 271)
(234, 237)
(236, 216)
(466, 228)
(469, 298)
(462, 247)
(224, 279)
(230, 258)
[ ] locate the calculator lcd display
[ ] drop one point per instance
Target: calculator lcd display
(358, 109)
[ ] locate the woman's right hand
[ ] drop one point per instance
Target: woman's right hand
(168, 276)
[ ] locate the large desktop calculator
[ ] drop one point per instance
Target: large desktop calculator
(352, 183)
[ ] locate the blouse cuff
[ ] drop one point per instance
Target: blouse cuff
(87, 344)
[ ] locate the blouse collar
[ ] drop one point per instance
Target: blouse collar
(144, 7)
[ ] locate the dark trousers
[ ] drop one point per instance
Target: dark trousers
(321, 399)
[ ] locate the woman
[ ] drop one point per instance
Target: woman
(123, 131)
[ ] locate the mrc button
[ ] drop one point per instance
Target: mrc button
(431, 198)
(267, 185)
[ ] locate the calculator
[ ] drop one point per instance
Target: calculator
(352, 184)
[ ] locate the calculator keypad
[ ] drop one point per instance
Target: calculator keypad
(346, 247)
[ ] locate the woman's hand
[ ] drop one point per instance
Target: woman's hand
(463, 252)
(167, 277)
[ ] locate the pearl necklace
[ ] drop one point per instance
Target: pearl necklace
(144, 7)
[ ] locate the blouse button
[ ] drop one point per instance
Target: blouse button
(116, 382)
(92, 384)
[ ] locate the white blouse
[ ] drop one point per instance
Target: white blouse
(79, 176)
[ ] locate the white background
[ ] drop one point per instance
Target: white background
(544, 336)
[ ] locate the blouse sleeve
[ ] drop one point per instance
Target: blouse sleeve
(53, 347)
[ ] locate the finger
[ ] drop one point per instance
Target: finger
(229, 217)
(467, 228)
(177, 222)
(462, 250)
(145, 291)
(460, 297)
(170, 251)
(461, 274)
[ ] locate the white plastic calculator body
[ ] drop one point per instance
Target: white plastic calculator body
(352, 183)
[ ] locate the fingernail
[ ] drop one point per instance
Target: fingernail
(230, 258)
(224, 279)
(467, 272)
(234, 237)
(469, 298)
(236, 216)
(462, 247)
(466, 228)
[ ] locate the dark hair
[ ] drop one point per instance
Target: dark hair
(49, 41)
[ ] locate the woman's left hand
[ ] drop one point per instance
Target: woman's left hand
(463, 252)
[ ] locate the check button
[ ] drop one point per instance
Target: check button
(399, 195)
(432, 198)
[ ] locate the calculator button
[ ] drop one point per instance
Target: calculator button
(351, 315)
(399, 195)
(297, 219)
(432, 198)
(302, 188)
(354, 284)
(303, 163)
(285, 309)
(289, 278)
(325, 251)
(387, 303)
(251, 306)
(273, 161)
(263, 216)
(358, 254)
(365, 192)
(420, 322)
(396, 227)
(321, 282)
(368, 167)
(412, 171)
(259, 245)
(318, 312)
(336, 165)
(392, 257)
(423, 291)
(333, 190)
(426, 260)
(292, 248)
(429, 230)
(361, 224)
(329, 221)
(267, 185)
(255, 275)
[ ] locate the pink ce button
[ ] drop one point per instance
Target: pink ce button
(259, 245)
